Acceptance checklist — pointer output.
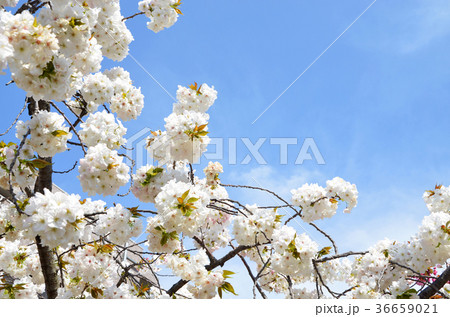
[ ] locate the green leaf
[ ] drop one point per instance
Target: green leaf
(202, 133)
(39, 163)
(96, 292)
(23, 204)
(106, 248)
(173, 235)
(228, 288)
(187, 212)
(49, 71)
(165, 238)
(278, 218)
(323, 252)
(293, 249)
(200, 128)
(75, 22)
(219, 291)
(134, 212)
(185, 194)
(407, 294)
(192, 200)
(3, 144)
(151, 173)
(58, 133)
(227, 274)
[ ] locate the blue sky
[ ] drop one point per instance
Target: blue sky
(376, 103)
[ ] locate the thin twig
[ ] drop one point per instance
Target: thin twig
(132, 16)
(15, 120)
(133, 163)
(11, 166)
(70, 123)
(67, 171)
(265, 190)
(326, 235)
(342, 255)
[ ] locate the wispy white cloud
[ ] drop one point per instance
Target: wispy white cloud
(269, 178)
(406, 26)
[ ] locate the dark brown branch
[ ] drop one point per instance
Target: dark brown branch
(132, 16)
(316, 269)
(327, 236)
(71, 125)
(32, 5)
(178, 285)
(67, 171)
(265, 190)
(224, 210)
(49, 269)
(44, 181)
(254, 279)
(211, 257)
(191, 174)
(434, 287)
(147, 212)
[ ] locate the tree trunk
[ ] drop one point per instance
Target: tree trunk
(43, 181)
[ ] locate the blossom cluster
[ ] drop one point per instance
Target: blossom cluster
(97, 88)
(257, 227)
(317, 202)
(215, 231)
(293, 253)
(149, 180)
(110, 30)
(119, 224)
(194, 98)
(212, 173)
(192, 269)
(48, 54)
(186, 135)
(22, 288)
(90, 266)
(19, 260)
(101, 127)
(32, 64)
(182, 207)
(24, 172)
(115, 87)
(48, 134)
(56, 217)
(72, 23)
(438, 199)
(162, 13)
(102, 171)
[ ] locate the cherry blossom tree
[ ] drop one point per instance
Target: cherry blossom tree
(55, 244)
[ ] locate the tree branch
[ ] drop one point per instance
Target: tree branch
(132, 16)
(434, 287)
(178, 285)
(44, 181)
